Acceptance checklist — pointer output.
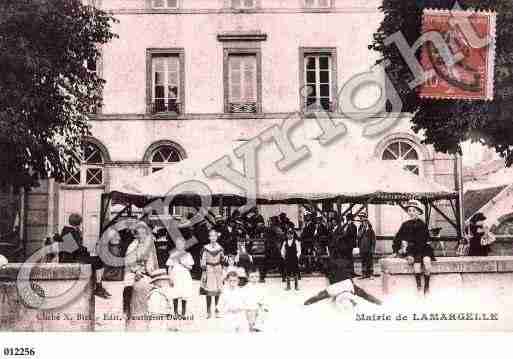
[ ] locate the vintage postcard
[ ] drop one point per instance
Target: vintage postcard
(252, 166)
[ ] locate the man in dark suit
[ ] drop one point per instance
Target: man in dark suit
(350, 236)
(339, 247)
(80, 253)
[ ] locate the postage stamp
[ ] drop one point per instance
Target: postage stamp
(469, 34)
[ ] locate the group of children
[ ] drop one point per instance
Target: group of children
(238, 295)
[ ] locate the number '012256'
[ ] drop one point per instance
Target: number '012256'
(19, 351)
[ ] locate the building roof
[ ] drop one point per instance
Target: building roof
(474, 200)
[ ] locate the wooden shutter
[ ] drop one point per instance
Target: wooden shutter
(242, 78)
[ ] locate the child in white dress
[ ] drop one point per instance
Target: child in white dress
(255, 301)
(232, 267)
(232, 305)
(179, 265)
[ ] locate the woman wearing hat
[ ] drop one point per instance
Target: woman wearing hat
(418, 252)
(141, 260)
(477, 230)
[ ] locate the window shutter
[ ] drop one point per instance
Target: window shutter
(242, 79)
(173, 77)
(235, 63)
(249, 81)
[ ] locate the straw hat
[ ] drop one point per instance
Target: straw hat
(3, 261)
(415, 204)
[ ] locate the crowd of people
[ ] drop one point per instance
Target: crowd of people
(233, 256)
(236, 257)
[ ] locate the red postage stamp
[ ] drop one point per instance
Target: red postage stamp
(471, 36)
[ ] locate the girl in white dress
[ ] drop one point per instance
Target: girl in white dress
(233, 305)
(179, 265)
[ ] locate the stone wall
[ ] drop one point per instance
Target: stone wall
(49, 281)
(462, 284)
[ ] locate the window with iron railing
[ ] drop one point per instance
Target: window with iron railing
(242, 83)
(317, 4)
(243, 4)
(166, 91)
(164, 4)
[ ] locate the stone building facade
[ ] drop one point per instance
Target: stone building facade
(189, 77)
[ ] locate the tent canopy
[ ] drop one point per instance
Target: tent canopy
(324, 176)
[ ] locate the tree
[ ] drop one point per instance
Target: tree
(447, 123)
(46, 88)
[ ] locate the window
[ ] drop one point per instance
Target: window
(317, 4)
(318, 75)
(242, 83)
(318, 81)
(243, 4)
(166, 83)
(90, 172)
(404, 151)
(165, 4)
(163, 156)
(242, 74)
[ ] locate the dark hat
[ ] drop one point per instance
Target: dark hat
(478, 217)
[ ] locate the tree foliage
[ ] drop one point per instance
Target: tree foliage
(46, 89)
(447, 123)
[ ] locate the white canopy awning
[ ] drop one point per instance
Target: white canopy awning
(323, 175)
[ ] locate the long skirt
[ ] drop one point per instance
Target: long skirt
(138, 305)
(212, 280)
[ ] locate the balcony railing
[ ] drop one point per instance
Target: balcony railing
(246, 107)
(319, 106)
(168, 106)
